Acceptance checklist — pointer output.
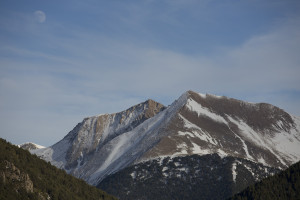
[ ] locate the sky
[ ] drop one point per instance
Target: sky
(62, 61)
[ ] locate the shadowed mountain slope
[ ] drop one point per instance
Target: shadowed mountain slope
(285, 185)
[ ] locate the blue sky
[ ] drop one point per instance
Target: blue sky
(61, 61)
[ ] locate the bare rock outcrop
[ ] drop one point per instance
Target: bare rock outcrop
(10, 174)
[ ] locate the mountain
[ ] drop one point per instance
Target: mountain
(208, 124)
(285, 185)
(25, 176)
(30, 146)
(96, 146)
(194, 124)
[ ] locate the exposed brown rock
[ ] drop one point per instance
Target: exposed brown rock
(12, 175)
(265, 119)
(260, 116)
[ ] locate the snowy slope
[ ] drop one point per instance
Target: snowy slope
(193, 124)
(208, 124)
(95, 146)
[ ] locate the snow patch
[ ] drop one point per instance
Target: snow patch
(245, 147)
(261, 160)
(185, 134)
(181, 149)
(200, 110)
(197, 132)
(133, 175)
(165, 169)
(234, 173)
(188, 124)
(183, 169)
(197, 150)
(288, 144)
(222, 153)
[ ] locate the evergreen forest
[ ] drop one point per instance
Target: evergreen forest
(25, 176)
(284, 185)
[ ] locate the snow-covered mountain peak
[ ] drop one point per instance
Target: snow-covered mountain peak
(192, 124)
(30, 146)
(207, 124)
(260, 116)
(96, 133)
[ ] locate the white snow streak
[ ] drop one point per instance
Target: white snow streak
(253, 136)
(200, 110)
(245, 147)
(197, 132)
(185, 134)
(234, 174)
(197, 150)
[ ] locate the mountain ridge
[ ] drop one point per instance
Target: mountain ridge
(193, 124)
(232, 126)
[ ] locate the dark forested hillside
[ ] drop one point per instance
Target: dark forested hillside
(25, 176)
(207, 177)
(285, 185)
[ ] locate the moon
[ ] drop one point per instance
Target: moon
(40, 16)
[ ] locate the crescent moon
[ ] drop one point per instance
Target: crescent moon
(40, 16)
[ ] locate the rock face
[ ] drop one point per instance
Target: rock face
(89, 150)
(13, 176)
(194, 124)
(209, 124)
